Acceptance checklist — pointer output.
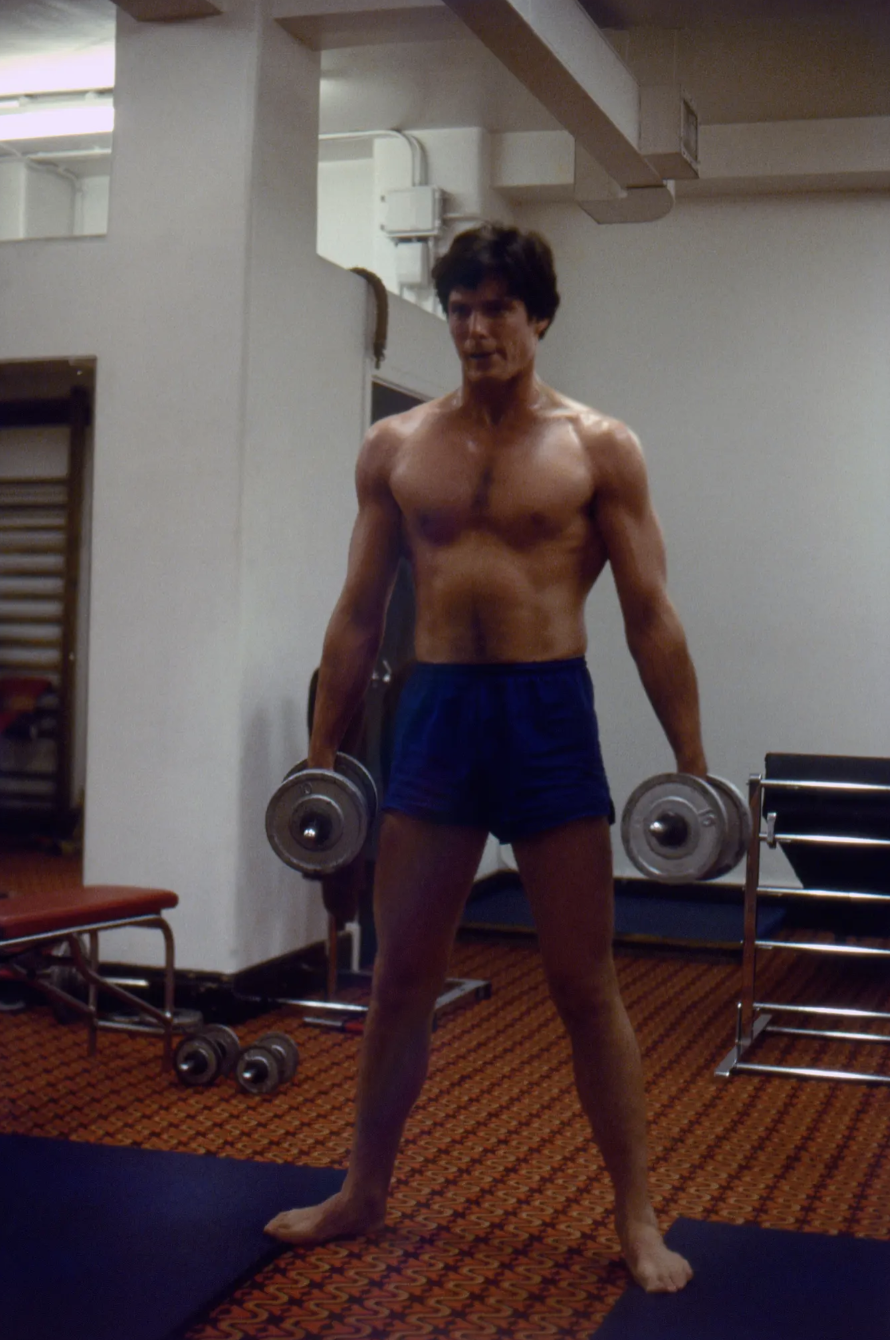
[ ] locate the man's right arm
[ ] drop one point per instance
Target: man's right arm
(355, 630)
(628, 525)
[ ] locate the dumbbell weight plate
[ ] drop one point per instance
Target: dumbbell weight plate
(738, 833)
(196, 1061)
(258, 1070)
(356, 773)
(317, 820)
(285, 1049)
(228, 1048)
(674, 828)
(320, 822)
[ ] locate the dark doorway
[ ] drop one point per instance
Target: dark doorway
(45, 435)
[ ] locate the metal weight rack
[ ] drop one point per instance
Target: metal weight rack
(798, 796)
(349, 1016)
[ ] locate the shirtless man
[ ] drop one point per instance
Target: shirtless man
(509, 500)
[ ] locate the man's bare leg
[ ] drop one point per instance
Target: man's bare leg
(423, 877)
(567, 874)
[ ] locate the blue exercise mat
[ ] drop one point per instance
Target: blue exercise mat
(648, 915)
(763, 1284)
(99, 1242)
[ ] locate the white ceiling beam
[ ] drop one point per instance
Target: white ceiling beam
(773, 158)
(784, 156)
(324, 25)
(548, 165)
(530, 165)
(560, 55)
(594, 191)
(170, 11)
(301, 9)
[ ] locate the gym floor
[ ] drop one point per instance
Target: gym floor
(500, 1216)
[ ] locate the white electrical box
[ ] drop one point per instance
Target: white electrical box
(669, 131)
(414, 212)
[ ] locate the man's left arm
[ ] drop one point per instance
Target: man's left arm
(626, 521)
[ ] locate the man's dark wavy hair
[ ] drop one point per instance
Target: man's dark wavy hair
(523, 260)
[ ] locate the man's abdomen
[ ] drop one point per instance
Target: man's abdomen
(484, 602)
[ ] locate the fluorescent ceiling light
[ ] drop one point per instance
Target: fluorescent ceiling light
(55, 122)
(66, 70)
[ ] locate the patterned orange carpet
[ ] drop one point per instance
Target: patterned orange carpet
(500, 1216)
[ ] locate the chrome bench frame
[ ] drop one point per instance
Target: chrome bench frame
(24, 958)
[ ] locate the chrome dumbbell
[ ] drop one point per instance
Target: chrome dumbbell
(202, 1057)
(267, 1063)
(318, 819)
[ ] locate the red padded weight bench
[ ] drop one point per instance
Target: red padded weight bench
(32, 924)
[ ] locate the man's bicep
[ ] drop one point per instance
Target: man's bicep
(375, 545)
(630, 530)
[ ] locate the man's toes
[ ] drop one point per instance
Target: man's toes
(663, 1272)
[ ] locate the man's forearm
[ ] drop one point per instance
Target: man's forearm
(668, 676)
(347, 663)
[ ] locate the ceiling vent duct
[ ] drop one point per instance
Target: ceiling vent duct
(669, 131)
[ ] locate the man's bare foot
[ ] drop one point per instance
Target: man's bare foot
(339, 1217)
(653, 1265)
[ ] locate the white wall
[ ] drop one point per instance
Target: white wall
(748, 343)
(346, 211)
(36, 202)
(304, 419)
(91, 205)
(163, 742)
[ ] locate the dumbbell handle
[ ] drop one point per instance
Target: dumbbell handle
(314, 830)
(671, 829)
(192, 1065)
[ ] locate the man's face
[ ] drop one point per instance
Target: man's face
(493, 334)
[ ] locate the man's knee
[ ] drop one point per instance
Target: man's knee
(404, 990)
(585, 997)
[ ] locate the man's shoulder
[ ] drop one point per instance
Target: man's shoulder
(598, 432)
(387, 440)
(396, 429)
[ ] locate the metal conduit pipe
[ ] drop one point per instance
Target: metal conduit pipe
(418, 154)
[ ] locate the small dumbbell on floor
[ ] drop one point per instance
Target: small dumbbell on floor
(203, 1056)
(678, 829)
(267, 1063)
(318, 819)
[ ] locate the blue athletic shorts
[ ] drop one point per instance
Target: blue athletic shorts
(512, 748)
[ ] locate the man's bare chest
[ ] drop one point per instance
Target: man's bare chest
(525, 488)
